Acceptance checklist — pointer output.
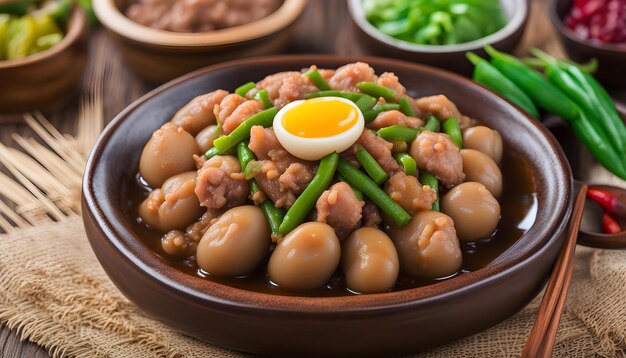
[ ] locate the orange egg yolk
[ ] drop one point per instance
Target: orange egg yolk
(319, 118)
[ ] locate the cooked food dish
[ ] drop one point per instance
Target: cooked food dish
(328, 182)
(436, 23)
(29, 27)
(199, 15)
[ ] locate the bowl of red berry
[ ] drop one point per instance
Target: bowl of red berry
(594, 29)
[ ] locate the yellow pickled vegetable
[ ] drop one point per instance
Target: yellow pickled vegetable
(22, 37)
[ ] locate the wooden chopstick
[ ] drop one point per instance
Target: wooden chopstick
(542, 337)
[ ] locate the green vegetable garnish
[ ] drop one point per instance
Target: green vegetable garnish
(440, 22)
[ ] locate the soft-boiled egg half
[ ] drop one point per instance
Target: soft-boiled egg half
(311, 129)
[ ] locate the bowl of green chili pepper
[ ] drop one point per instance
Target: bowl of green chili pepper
(438, 32)
(42, 53)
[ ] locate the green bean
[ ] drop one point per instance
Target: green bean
(371, 114)
(264, 98)
(357, 192)
(398, 132)
(333, 93)
(374, 192)
(406, 107)
(366, 103)
(245, 88)
(363, 101)
(430, 180)
(273, 214)
(318, 80)
(242, 132)
(377, 91)
(407, 162)
(244, 154)
(451, 127)
(371, 166)
(432, 124)
(211, 153)
(305, 202)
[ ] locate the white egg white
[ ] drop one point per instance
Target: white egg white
(317, 148)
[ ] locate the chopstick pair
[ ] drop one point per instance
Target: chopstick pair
(542, 337)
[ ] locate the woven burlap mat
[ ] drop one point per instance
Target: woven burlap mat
(54, 292)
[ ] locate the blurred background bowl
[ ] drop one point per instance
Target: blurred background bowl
(158, 56)
(611, 58)
(450, 57)
(48, 77)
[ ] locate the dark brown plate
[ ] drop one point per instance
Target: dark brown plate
(396, 322)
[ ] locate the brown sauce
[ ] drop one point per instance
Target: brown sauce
(518, 207)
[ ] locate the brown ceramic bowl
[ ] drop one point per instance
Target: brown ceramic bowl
(449, 57)
(611, 58)
(48, 77)
(158, 56)
(395, 322)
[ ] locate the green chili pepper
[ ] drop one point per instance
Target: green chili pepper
(489, 76)
(264, 98)
(430, 180)
(451, 127)
(245, 88)
(405, 107)
(584, 98)
(305, 202)
(407, 163)
(598, 145)
(371, 166)
(318, 80)
(374, 192)
(543, 93)
(371, 114)
(607, 115)
(273, 214)
(377, 91)
(398, 132)
(222, 144)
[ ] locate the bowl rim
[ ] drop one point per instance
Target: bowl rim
(514, 24)
(558, 23)
(114, 20)
(161, 273)
(76, 25)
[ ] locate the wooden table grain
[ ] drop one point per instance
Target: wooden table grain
(323, 28)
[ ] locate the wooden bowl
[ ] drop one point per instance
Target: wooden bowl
(395, 322)
(46, 78)
(158, 56)
(449, 57)
(611, 58)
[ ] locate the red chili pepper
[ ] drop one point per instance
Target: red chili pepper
(609, 224)
(605, 199)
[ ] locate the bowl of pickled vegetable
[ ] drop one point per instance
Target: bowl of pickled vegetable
(42, 53)
(267, 201)
(438, 33)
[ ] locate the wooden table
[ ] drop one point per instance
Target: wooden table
(324, 28)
